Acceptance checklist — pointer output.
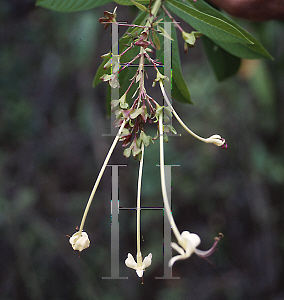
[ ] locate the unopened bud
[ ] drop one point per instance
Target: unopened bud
(79, 241)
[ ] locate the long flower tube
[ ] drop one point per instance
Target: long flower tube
(163, 182)
(214, 139)
(77, 236)
(130, 262)
(187, 241)
(139, 199)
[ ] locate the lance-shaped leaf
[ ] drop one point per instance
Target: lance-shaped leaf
(164, 33)
(156, 40)
(139, 6)
(71, 5)
(129, 2)
(223, 63)
(210, 26)
(179, 87)
(245, 51)
(180, 90)
(249, 51)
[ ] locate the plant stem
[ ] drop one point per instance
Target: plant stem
(100, 176)
(141, 71)
(154, 12)
(172, 19)
(163, 182)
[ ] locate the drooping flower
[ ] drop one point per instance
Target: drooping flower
(217, 140)
(190, 38)
(79, 241)
(189, 242)
(140, 266)
(214, 139)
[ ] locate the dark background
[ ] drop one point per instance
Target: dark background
(51, 150)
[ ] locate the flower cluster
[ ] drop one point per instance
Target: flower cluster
(131, 120)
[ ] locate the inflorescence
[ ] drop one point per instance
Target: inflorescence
(131, 122)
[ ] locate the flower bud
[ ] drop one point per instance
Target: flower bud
(217, 140)
(79, 241)
(189, 38)
(159, 77)
(106, 55)
(107, 64)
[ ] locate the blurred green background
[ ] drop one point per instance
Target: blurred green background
(52, 146)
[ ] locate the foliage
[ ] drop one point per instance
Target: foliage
(224, 40)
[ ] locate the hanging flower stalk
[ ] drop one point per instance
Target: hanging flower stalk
(187, 241)
(79, 240)
(215, 139)
(140, 265)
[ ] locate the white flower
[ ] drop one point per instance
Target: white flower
(217, 140)
(189, 242)
(139, 266)
(79, 241)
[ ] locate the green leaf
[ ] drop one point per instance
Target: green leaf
(71, 5)
(223, 63)
(160, 52)
(210, 26)
(180, 90)
(129, 2)
(179, 87)
(139, 6)
(249, 51)
(245, 51)
(163, 32)
(156, 40)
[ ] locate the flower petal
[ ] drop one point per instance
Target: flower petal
(175, 258)
(147, 261)
(188, 242)
(193, 240)
(178, 249)
(140, 272)
(130, 262)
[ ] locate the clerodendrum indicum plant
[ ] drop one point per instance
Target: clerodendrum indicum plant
(225, 44)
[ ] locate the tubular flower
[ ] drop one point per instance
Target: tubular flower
(79, 241)
(214, 139)
(188, 242)
(140, 265)
(217, 140)
(130, 262)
